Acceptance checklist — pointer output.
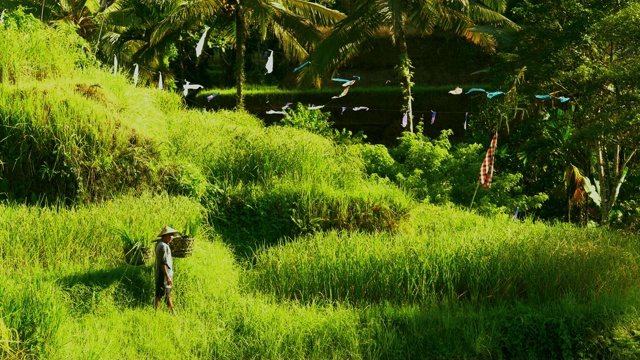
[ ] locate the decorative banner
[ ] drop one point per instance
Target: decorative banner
(301, 66)
(269, 65)
(515, 216)
(486, 170)
(404, 119)
(275, 112)
(314, 107)
(561, 98)
(2, 16)
(115, 64)
(358, 108)
(475, 89)
(286, 106)
(433, 117)
(491, 95)
(346, 83)
(188, 86)
(466, 117)
(201, 42)
(212, 96)
(344, 92)
(343, 109)
(160, 80)
(135, 75)
(456, 91)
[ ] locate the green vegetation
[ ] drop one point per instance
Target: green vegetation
(308, 247)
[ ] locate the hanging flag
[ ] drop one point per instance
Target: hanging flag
(314, 107)
(115, 65)
(269, 65)
(358, 108)
(301, 66)
(344, 92)
(201, 42)
(212, 96)
(486, 170)
(2, 16)
(491, 95)
(272, 112)
(286, 106)
(188, 86)
(456, 91)
(466, 117)
(543, 96)
(404, 119)
(433, 117)
(346, 83)
(515, 216)
(563, 99)
(475, 89)
(160, 81)
(135, 75)
(343, 109)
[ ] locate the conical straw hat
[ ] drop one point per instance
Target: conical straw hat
(167, 230)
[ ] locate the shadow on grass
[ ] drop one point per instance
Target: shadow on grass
(123, 286)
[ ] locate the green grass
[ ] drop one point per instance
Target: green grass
(102, 307)
(302, 255)
(451, 257)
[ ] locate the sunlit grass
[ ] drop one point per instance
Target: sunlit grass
(451, 257)
(372, 277)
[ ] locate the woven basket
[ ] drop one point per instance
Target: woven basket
(181, 247)
(137, 255)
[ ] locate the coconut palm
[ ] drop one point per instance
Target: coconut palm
(372, 19)
(80, 13)
(297, 24)
(128, 28)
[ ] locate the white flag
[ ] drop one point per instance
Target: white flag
(135, 76)
(201, 42)
(269, 65)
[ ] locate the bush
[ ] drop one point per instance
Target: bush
(433, 170)
(317, 122)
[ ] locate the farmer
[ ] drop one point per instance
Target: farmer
(164, 268)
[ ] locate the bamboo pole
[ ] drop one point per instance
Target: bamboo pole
(474, 196)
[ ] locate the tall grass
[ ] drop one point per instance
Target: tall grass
(31, 51)
(54, 238)
(391, 283)
(449, 260)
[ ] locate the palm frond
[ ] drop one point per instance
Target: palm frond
(318, 15)
(348, 39)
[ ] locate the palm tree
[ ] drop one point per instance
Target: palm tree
(396, 18)
(129, 25)
(297, 24)
(80, 13)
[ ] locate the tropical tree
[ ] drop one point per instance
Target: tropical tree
(586, 50)
(128, 29)
(297, 24)
(397, 19)
(79, 13)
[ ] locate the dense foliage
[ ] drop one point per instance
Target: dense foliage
(313, 243)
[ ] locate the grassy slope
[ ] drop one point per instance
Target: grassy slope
(429, 283)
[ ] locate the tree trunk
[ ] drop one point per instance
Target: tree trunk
(405, 73)
(611, 179)
(241, 44)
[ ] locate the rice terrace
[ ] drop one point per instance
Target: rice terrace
(329, 179)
